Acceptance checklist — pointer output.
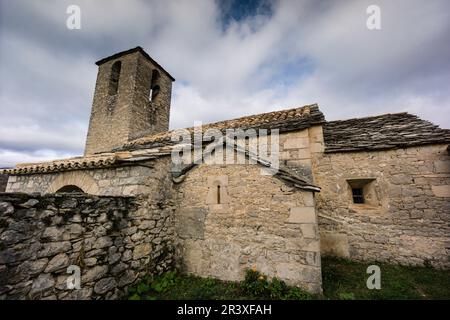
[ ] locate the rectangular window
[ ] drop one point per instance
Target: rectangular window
(358, 195)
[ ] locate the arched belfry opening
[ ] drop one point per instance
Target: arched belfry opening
(155, 85)
(114, 78)
(70, 189)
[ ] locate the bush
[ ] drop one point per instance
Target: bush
(163, 283)
(256, 285)
(277, 288)
(297, 294)
(151, 285)
(346, 296)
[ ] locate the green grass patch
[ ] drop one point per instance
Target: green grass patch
(342, 280)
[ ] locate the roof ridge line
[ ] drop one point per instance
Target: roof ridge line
(377, 116)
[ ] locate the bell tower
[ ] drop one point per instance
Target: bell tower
(131, 99)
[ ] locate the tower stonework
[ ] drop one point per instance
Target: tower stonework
(131, 99)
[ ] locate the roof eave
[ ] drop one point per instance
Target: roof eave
(136, 49)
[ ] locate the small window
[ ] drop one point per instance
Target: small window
(218, 194)
(358, 195)
(363, 191)
(114, 78)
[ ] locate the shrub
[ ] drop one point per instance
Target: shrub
(256, 285)
(163, 283)
(346, 296)
(277, 288)
(297, 294)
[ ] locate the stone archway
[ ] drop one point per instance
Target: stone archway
(81, 179)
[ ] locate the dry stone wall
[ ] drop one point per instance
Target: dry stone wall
(260, 222)
(114, 240)
(407, 217)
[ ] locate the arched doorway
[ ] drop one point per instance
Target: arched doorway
(70, 189)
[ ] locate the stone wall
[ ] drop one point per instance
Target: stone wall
(298, 150)
(114, 240)
(407, 214)
(151, 177)
(260, 222)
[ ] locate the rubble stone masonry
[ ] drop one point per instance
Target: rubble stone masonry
(259, 222)
(406, 218)
(114, 240)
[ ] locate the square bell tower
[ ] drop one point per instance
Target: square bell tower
(131, 99)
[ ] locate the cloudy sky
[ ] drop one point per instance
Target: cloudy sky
(230, 58)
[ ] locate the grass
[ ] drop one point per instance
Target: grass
(342, 280)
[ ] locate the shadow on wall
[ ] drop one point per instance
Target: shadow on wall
(3, 182)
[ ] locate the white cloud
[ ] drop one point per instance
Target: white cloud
(9, 158)
(305, 52)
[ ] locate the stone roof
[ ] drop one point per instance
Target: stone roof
(129, 157)
(101, 160)
(137, 49)
(156, 145)
(284, 120)
(388, 131)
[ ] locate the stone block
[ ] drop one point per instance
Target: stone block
(302, 215)
(57, 263)
(308, 230)
(42, 283)
(317, 147)
(93, 274)
(105, 285)
(401, 178)
(127, 278)
(103, 242)
(53, 233)
(32, 267)
(316, 134)
(141, 250)
(6, 208)
(296, 143)
(53, 248)
(299, 163)
(304, 154)
(308, 199)
(442, 166)
(192, 221)
(441, 191)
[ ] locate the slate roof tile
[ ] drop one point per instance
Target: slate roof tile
(387, 131)
(284, 120)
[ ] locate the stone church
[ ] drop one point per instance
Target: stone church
(371, 189)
